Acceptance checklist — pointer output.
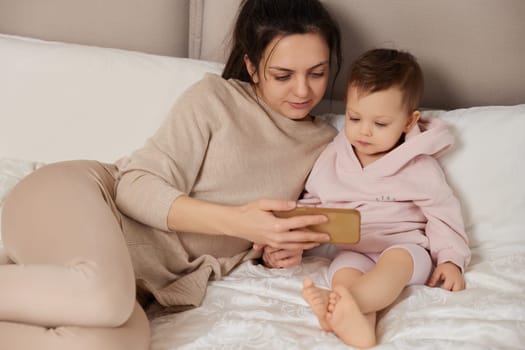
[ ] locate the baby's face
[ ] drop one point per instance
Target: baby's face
(375, 122)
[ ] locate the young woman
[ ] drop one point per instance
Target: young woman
(186, 207)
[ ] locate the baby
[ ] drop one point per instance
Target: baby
(383, 163)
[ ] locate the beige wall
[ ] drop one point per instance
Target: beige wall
(153, 26)
(472, 51)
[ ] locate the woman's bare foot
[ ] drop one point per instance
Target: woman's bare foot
(317, 298)
(348, 322)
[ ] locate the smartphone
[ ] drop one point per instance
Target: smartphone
(343, 225)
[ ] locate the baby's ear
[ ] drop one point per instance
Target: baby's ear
(412, 120)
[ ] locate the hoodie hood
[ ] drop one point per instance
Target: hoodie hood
(429, 137)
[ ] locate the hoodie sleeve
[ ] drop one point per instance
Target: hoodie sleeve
(445, 228)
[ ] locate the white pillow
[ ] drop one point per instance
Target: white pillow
(486, 168)
(64, 101)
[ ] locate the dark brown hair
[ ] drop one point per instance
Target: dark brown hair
(381, 69)
(260, 21)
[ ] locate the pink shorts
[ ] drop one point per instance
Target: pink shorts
(365, 262)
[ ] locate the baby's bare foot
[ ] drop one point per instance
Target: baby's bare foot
(317, 298)
(348, 322)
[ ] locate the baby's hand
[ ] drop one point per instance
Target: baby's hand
(447, 275)
(280, 258)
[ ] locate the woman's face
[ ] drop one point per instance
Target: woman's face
(293, 74)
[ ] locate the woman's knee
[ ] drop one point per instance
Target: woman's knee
(109, 293)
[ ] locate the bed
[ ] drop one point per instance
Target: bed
(66, 90)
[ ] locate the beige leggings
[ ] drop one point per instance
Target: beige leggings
(72, 284)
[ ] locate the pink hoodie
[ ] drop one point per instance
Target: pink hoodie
(403, 197)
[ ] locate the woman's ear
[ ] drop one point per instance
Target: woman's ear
(252, 70)
(412, 120)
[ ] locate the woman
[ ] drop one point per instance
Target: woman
(186, 207)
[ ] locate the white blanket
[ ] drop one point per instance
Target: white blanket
(259, 308)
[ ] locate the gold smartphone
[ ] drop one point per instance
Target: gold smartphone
(343, 225)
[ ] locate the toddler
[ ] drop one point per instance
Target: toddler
(383, 163)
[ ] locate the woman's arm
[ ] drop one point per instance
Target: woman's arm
(157, 184)
(254, 222)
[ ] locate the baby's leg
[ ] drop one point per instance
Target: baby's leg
(346, 267)
(132, 335)
(72, 266)
(381, 286)
(318, 298)
(352, 311)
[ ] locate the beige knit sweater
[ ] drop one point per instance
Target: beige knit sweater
(222, 144)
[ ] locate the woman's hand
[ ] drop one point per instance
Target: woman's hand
(255, 222)
(280, 258)
(448, 275)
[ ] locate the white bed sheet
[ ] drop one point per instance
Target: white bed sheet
(259, 308)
